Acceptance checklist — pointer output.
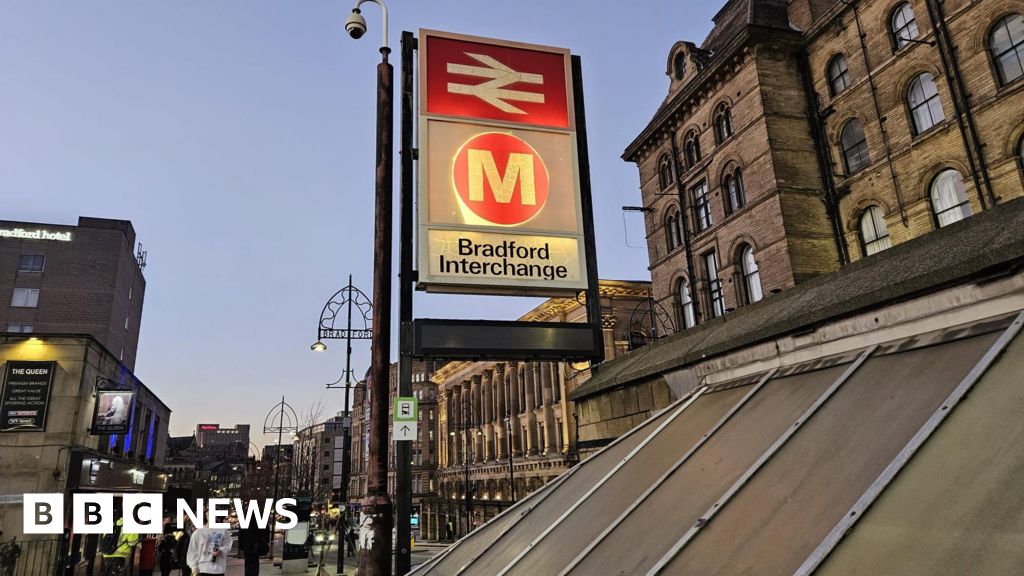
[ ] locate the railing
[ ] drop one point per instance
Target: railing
(29, 557)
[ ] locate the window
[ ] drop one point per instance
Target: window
(21, 328)
(723, 122)
(751, 275)
(1007, 45)
(923, 99)
(701, 206)
(949, 198)
(855, 147)
(25, 298)
(686, 312)
(735, 197)
(716, 299)
(874, 235)
(691, 147)
(673, 231)
(664, 172)
(30, 263)
(838, 74)
(679, 66)
(904, 26)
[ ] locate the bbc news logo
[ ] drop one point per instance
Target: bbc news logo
(142, 513)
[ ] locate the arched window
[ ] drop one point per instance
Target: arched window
(855, 147)
(904, 26)
(874, 235)
(949, 198)
(673, 231)
(701, 206)
(715, 294)
(691, 146)
(838, 74)
(723, 122)
(687, 317)
(679, 66)
(664, 172)
(735, 196)
(925, 106)
(1006, 42)
(751, 275)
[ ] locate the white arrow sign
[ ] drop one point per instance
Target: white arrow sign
(404, 431)
(493, 91)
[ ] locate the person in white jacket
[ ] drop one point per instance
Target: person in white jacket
(208, 551)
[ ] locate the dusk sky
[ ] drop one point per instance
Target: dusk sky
(237, 136)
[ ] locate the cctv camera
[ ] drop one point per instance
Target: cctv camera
(355, 25)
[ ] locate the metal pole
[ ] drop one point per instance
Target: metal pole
(375, 560)
(277, 477)
(466, 407)
(346, 426)
(403, 449)
(511, 468)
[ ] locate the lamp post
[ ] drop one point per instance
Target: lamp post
(377, 508)
(467, 414)
(345, 299)
(282, 410)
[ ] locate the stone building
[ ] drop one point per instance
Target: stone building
(502, 419)
(803, 135)
(424, 451)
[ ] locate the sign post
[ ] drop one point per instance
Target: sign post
(405, 419)
(504, 208)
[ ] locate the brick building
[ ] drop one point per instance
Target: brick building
(802, 135)
(83, 279)
(487, 409)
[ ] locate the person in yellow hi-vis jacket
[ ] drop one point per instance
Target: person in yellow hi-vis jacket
(115, 549)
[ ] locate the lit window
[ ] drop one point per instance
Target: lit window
(735, 197)
(949, 198)
(855, 147)
(691, 147)
(664, 172)
(751, 275)
(701, 206)
(30, 263)
(685, 304)
(923, 99)
(874, 235)
(20, 328)
(25, 298)
(904, 26)
(716, 297)
(723, 122)
(838, 74)
(1007, 45)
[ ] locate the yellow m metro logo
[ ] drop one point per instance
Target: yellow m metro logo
(519, 167)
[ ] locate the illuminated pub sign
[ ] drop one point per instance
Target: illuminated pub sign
(499, 193)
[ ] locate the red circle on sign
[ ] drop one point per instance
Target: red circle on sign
(500, 178)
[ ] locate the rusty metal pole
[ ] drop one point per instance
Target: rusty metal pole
(377, 516)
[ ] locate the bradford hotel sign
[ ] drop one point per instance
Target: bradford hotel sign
(499, 193)
(23, 234)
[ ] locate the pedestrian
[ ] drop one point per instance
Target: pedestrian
(166, 550)
(115, 549)
(253, 542)
(351, 535)
(89, 552)
(208, 550)
(450, 530)
(183, 538)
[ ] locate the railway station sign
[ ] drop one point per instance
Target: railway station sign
(499, 193)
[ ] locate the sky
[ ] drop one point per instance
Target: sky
(238, 136)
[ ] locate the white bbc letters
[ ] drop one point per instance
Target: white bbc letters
(143, 513)
(92, 513)
(219, 508)
(43, 514)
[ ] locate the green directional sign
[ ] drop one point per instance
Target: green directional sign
(406, 409)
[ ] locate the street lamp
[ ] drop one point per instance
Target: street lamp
(377, 507)
(318, 346)
(287, 421)
(467, 416)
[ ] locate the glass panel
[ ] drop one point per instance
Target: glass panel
(955, 508)
(774, 523)
(482, 540)
(690, 491)
(571, 536)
